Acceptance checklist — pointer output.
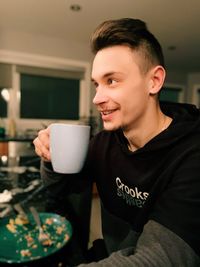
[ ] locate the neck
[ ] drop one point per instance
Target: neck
(138, 137)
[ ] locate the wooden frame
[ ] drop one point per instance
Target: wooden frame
(196, 95)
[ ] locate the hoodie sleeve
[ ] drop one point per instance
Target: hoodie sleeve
(59, 185)
(156, 246)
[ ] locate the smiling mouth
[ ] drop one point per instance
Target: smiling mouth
(107, 112)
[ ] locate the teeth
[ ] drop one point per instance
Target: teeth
(106, 112)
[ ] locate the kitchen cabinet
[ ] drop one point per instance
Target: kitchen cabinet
(3, 148)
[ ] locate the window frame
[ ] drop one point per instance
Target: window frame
(30, 60)
(195, 98)
(174, 86)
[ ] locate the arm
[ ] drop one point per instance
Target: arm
(157, 246)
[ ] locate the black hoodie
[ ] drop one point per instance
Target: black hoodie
(158, 183)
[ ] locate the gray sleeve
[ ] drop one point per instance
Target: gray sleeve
(157, 246)
(48, 175)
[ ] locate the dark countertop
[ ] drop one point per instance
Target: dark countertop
(19, 173)
(17, 139)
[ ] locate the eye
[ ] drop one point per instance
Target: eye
(95, 84)
(111, 81)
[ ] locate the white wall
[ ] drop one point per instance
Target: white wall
(44, 45)
(176, 77)
(193, 78)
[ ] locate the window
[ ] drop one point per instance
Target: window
(28, 107)
(172, 93)
(44, 97)
(3, 106)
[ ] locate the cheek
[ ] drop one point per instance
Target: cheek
(134, 101)
(135, 95)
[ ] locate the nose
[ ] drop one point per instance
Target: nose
(100, 97)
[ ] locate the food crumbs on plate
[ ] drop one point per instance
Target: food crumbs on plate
(44, 227)
(45, 249)
(58, 245)
(29, 240)
(59, 230)
(25, 253)
(49, 221)
(21, 220)
(48, 242)
(66, 237)
(11, 226)
(11, 221)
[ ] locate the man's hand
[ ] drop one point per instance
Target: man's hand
(41, 143)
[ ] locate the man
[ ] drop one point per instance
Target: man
(146, 161)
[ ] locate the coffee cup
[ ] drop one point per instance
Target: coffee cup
(68, 146)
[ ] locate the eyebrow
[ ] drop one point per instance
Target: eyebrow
(106, 75)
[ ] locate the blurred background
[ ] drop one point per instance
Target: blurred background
(45, 58)
(45, 66)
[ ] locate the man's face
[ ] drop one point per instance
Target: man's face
(121, 89)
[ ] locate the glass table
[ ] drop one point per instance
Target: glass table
(19, 182)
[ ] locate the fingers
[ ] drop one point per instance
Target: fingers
(41, 143)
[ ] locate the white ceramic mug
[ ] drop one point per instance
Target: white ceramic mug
(68, 146)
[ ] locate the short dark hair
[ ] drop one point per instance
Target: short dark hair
(131, 32)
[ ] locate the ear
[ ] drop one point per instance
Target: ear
(157, 78)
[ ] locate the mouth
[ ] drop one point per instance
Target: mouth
(107, 114)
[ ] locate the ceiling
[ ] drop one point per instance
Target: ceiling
(174, 22)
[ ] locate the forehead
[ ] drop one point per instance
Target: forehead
(115, 59)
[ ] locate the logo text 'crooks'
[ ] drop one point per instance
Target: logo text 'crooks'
(132, 196)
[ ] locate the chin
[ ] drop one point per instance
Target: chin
(110, 126)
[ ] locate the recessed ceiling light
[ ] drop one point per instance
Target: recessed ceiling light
(75, 7)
